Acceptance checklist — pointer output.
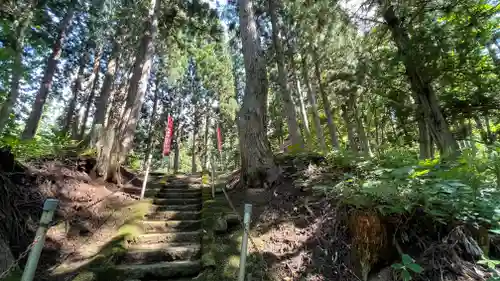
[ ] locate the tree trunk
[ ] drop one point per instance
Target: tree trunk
(332, 128)
(152, 122)
(349, 123)
(363, 138)
(95, 84)
(137, 89)
(193, 148)
(480, 127)
(6, 257)
(17, 68)
(421, 85)
(41, 96)
(289, 107)
(491, 137)
(302, 105)
(257, 164)
(139, 79)
(424, 136)
(206, 149)
(177, 147)
(314, 105)
(109, 78)
(71, 115)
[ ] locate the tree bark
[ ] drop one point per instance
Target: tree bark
(349, 123)
(257, 164)
(421, 85)
(206, 149)
(363, 138)
(177, 147)
(6, 257)
(77, 87)
(289, 107)
(52, 62)
(95, 85)
(193, 148)
(302, 104)
(152, 122)
(311, 95)
(17, 68)
(140, 76)
(424, 136)
(109, 78)
(332, 128)
(135, 94)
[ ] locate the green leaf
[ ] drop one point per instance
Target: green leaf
(406, 275)
(407, 259)
(397, 266)
(415, 268)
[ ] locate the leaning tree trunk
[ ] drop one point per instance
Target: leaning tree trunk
(102, 101)
(421, 85)
(17, 68)
(314, 105)
(257, 163)
(77, 87)
(107, 133)
(95, 84)
(41, 96)
(151, 126)
(332, 128)
(137, 89)
(289, 107)
(302, 105)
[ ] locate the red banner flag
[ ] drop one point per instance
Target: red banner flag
(219, 139)
(169, 131)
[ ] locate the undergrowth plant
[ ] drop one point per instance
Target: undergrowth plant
(43, 145)
(407, 267)
(491, 265)
(397, 183)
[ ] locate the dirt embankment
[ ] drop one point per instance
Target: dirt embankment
(304, 235)
(89, 213)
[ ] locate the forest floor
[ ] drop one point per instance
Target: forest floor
(89, 215)
(302, 233)
(298, 232)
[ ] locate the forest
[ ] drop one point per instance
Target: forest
(399, 101)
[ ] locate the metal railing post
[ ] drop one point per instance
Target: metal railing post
(244, 242)
(49, 207)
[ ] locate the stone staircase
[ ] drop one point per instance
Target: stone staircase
(170, 246)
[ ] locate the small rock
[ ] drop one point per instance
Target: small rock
(220, 225)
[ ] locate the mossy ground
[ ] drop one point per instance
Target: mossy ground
(100, 266)
(221, 251)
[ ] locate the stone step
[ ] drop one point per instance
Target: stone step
(159, 226)
(180, 189)
(159, 252)
(173, 215)
(176, 195)
(167, 237)
(162, 208)
(158, 270)
(180, 185)
(176, 201)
